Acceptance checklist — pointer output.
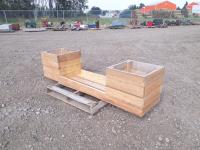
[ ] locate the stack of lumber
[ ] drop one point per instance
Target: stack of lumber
(133, 86)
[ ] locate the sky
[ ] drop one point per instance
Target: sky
(123, 4)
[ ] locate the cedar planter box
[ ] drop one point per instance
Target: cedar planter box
(134, 84)
(61, 62)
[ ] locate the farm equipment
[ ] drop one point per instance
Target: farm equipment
(30, 23)
(45, 23)
(117, 25)
(134, 20)
(9, 27)
(95, 25)
(77, 26)
(159, 23)
(6, 28)
(150, 24)
(61, 27)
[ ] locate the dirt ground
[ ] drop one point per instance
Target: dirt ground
(32, 120)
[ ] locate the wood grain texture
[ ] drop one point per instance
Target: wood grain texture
(85, 88)
(94, 77)
(69, 56)
(130, 88)
(132, 99)
(124, 76)
(51, 76)
(60, 65)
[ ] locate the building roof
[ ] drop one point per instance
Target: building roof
(162, 5)
(189, 6)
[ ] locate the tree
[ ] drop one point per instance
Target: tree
(178, 8)
(47, 4)
(71, 4)
(50, 4)
(104, 12)
(132, 7)
(17, 4)
(184, 10)
(141, 5)
(125, 13)
(95, 11)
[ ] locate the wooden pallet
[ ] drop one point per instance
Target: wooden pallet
(75, 99)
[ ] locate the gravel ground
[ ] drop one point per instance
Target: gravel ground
(31, 120)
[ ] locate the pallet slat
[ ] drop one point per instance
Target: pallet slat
(80, 102)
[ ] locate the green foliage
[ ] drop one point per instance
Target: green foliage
(95, 11)
(141, 5)
(132, 7)
(31, 4)
(17, 4)
(70, 4)
(184, 10)
(125, 13)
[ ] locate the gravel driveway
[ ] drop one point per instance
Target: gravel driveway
(31, 120)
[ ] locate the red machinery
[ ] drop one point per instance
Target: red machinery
(150, 24)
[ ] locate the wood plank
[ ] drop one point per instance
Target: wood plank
(137, 80)
(63, 64)
(127, 98)
(88, 82)
(49, 57)
(155, 75)
(70, 69)
(125, 86)
(51, 70)
(73, 96)
(64, 71)
(69, 101)
(124, 106)
(60, 65)
(152, 86)
(91, 109)
(51, 76)
(94, 77)
(81, 87)
(151, 103)
(69, 56)
(100, 105)
(138, 102)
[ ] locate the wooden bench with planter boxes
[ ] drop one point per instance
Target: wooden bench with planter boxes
(130, 85)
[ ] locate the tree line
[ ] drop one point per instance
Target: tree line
(43, 4)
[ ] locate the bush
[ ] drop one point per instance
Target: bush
(161, 14)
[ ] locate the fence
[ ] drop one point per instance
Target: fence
(105, 17)
(8, 16)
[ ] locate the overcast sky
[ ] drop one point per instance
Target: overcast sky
(123, 4)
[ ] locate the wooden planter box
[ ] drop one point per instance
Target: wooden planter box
(61, 62)
(134, 83)
(130, 85)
